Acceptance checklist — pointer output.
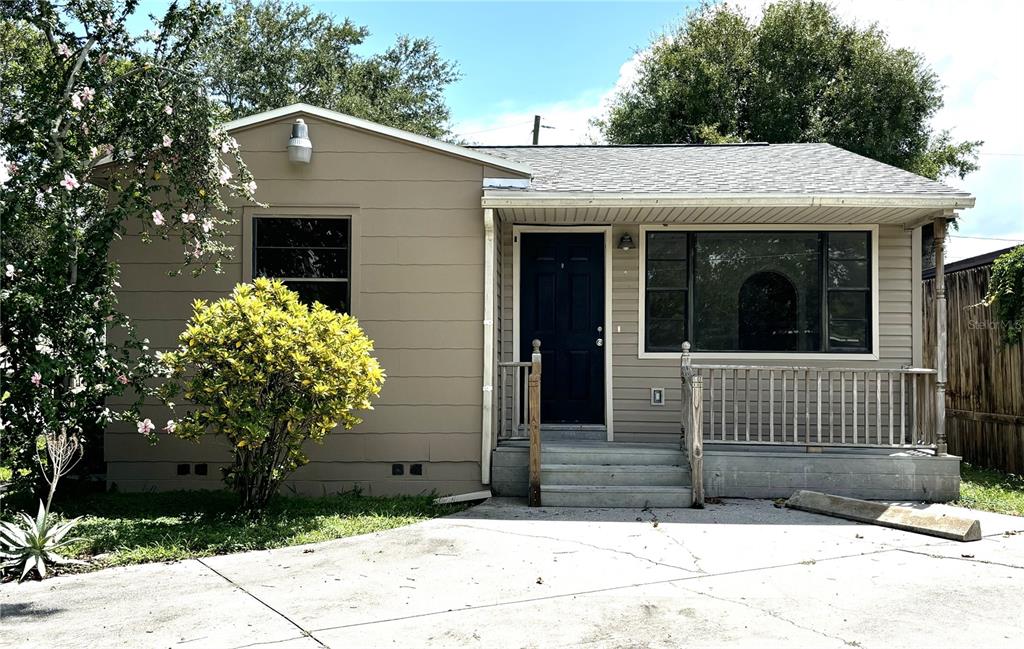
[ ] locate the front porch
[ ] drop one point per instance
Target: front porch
(614, 474)
(673, 427)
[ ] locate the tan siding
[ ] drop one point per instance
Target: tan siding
(417, 226)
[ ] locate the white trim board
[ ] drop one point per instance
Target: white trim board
(789, 356)
(506, 198)
(606, 230)
(379, 129)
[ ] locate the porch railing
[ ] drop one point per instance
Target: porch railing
(776, 404)
(513, 388)
(519, 382)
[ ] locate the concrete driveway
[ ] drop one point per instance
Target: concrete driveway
(738, 574)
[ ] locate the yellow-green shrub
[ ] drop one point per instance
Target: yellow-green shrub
(268, 373)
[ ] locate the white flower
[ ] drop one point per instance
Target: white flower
(158, 217)
(251, 186)
(64, 50)
(9, 272)
(76, 101)
(171, 426)
(207, 225)
(187, 217)
(167, 140)
(77, 386)
(168, 109)
(44, 345)
(5, 171)
(146, 426)
(69, 182)
(225, 175)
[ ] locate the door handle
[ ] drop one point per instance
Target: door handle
(600, 342)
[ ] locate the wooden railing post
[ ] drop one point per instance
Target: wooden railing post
(534, 406)
(692, 424)
(940, 336)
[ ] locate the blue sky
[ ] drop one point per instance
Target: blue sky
(563, 60)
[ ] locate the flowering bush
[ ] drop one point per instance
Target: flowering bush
(269, 373)
(99, 128)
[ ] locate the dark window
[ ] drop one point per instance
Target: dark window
(848, 289)
(311, 255)
(737, 291)
(667, 289)
(769, 316)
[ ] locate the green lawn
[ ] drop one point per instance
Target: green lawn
(992, 491)
(126, 528)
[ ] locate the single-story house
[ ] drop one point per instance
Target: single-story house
(792, 272)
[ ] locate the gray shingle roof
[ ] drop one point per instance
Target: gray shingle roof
(753, 168)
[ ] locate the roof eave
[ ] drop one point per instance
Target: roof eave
(379, 129)
(503, 198)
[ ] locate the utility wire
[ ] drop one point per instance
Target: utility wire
(964, 236)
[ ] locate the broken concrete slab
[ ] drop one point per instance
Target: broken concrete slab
(946, 526)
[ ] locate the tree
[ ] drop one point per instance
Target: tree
(269, 373)
(100, 131)
(1006, 294)
(800, 75)
(271, 54)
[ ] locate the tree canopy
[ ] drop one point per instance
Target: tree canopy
(799, 75)
(271, 54)
(103, 134)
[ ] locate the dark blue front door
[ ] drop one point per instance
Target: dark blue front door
(562, 305)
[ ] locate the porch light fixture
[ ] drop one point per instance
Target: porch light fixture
(626, 242)
(300, 149)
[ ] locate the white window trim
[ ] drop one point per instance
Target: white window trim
(751, 356)
(606, 230)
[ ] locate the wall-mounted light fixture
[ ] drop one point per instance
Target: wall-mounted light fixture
(300, 149)
(626, 242)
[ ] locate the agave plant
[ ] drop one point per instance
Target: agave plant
(33, 543)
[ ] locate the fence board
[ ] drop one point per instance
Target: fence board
(985, 389)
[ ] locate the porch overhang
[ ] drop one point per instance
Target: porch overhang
(722, 208)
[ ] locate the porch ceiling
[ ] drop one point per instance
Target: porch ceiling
(743, 214)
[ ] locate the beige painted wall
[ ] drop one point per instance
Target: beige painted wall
(635, 419)
(417, 286)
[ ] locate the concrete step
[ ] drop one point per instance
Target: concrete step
(570, 433)
(612, 454)
(614, 496)
(614, 474)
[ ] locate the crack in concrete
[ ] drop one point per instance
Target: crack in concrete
(767, 612)
(268, 643)
(594, 591)
(967, 559)
(678, 542)
(586, 545)
(305, 633)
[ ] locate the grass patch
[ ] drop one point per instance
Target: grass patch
(991, 490)
(128, 528)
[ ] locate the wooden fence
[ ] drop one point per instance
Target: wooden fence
(985, 390)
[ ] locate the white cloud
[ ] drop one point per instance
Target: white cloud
(564, 122)
(976, 49)
(960, 246)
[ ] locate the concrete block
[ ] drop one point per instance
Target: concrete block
(942, 525)
(607, 474)
(618, 496)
